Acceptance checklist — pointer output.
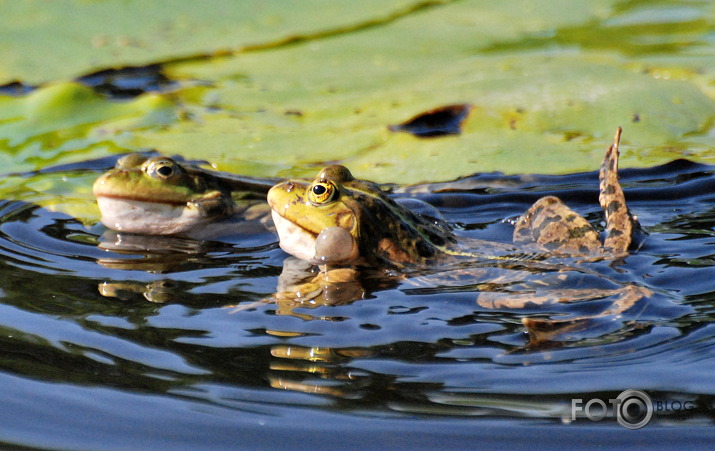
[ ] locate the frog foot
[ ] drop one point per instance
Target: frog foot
(553, 226)
(544, 330)
(620, 225)
(543, 296)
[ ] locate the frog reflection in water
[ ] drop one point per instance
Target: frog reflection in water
(338, 221)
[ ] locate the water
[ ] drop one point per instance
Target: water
(90, 362)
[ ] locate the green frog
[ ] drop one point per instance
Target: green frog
(337, 221)
(156, 195)
(159, 196)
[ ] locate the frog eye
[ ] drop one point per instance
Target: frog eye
(162, 169)
(322, 192)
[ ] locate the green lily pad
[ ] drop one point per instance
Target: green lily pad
(271, 89)
(66, 122)
(534, 111)
(44, 41)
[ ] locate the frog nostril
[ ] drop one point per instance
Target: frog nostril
(289, 186)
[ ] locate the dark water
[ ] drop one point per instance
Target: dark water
(88, 362)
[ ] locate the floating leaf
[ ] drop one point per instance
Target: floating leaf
(274, 94)
(38, 44)
(68, 121)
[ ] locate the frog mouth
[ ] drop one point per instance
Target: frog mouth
(294, 239)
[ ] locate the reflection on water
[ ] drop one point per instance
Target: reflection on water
(74, 313)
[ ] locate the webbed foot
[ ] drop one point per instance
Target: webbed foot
(552, 225)
(620, 225)
(543, 330)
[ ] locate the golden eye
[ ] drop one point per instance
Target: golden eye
(162, 169)
(322, 192)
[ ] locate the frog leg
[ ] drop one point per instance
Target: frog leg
(510, 300)
(620, 225)
(555, 227)
(543, 330)
(552, 225)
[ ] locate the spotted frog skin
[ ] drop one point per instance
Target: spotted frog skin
(381, 231)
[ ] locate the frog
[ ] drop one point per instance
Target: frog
(166, 210)
(337, 220)
(157, 195)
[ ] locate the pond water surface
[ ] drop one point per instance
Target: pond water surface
(126, 342)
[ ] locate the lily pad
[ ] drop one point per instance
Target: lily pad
(68, 121)
(44, 41)
(551, 110)
(260, 89)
